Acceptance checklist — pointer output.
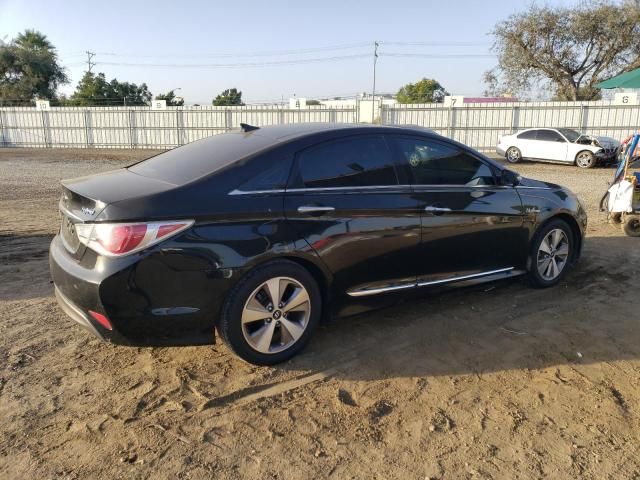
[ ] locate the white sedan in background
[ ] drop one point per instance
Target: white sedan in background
(557, 145)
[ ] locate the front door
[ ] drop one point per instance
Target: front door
(550, 145)
(470, 224)
(345, 200)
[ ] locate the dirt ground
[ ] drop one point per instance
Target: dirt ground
(495, 381)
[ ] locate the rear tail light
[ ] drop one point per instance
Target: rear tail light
(101, 319)
(119, 239)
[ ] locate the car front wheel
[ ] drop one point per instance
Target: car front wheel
(586, 159)
(271, 314)
(551, 253)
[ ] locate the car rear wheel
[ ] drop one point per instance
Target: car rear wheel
(585, 159)
(271, 314)
(631, 225)
(551, 253)
(513, 155)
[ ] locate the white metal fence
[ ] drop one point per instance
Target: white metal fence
(478, 125)
(141, 127)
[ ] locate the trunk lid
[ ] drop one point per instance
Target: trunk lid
(84, 198)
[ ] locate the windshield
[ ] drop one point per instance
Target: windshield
(571, 135)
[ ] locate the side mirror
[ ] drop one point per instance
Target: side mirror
(509, 178)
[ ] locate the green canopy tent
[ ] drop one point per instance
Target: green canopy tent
(624, 80)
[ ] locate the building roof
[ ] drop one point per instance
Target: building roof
(624, 80)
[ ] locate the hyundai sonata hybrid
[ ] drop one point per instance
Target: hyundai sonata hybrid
(259, 233)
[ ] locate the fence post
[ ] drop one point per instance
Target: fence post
(87, 119)
(4, 139)
(132, 120)
(515, 118)
(584, 117)
(228, 119)
(179, 126)
(45, 129)
(452, 121)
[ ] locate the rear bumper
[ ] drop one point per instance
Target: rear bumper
(153, 298)
(500, 150)
(76, 313)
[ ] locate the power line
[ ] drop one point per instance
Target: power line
(435, 55)
(268, 53)
(437, 44)
(239, 65)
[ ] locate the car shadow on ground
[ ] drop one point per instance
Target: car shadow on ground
(590, 317)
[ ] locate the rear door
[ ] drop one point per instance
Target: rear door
(346, 200)
(527, 143)
(470, 224)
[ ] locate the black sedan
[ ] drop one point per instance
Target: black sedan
(261, 232)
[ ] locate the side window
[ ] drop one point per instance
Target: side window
(549, 136)
(350, 162)
(268, 171)
(528, 135)
(435, 163)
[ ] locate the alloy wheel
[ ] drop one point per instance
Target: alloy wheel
(584, 159)
(276, 315)
(513, 155)
(553, 254)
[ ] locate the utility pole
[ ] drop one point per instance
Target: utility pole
(90, 64)
(373, 95)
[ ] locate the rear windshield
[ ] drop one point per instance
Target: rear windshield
(190, 162)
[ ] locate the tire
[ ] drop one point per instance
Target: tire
(585, 159)
(552, 243)
(270, 334)
(513, 155)
(631, 225)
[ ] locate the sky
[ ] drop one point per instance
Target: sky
(204, 47)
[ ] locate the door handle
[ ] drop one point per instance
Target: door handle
(436, 210)
(315, 209)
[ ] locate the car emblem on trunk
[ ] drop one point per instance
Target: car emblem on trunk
(88, 211)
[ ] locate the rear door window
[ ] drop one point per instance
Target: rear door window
(431, 162)
(363, 161)
(528, 135)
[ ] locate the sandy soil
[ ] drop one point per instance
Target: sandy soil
(496, 381)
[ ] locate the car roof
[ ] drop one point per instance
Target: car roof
(297, 130)
(204, 157)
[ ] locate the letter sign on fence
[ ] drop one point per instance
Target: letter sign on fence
(159, 105)
(625, 98)
(43, 105)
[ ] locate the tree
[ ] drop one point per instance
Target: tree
(313, 102)
(29, 69)
(426, 90)
(171, 98)
(230, 96)
(95, 90)
(569, 49)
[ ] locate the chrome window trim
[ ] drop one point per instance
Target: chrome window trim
(255, 192)
(373, 187)
(375, 291)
